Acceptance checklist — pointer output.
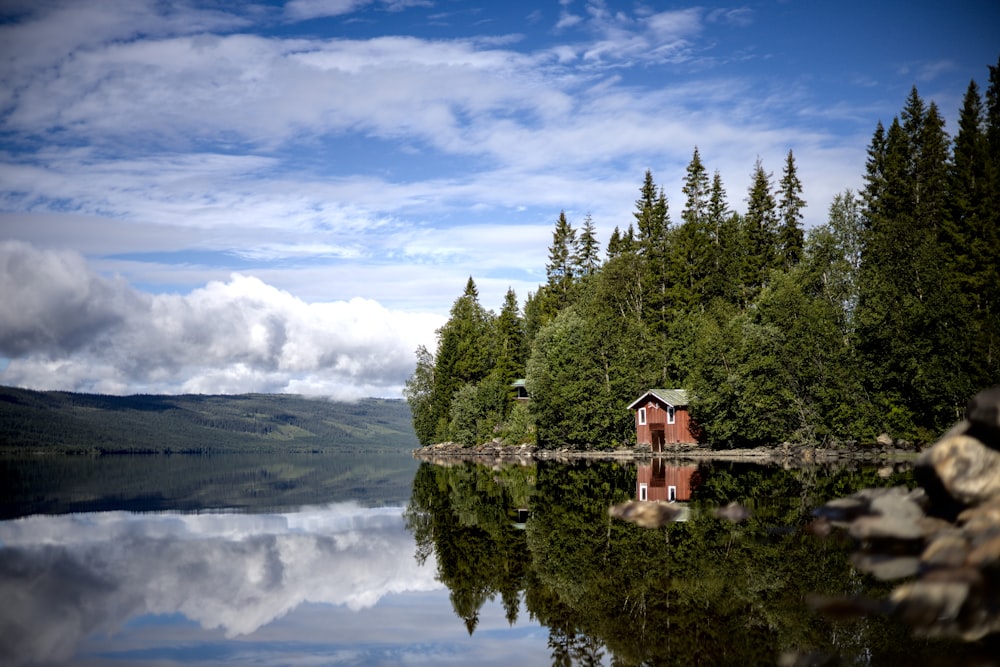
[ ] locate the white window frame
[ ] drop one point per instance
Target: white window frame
(642, 416)
(671, 417)
(643, 492)
(672, 494)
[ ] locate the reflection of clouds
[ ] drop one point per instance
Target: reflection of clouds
(64, 577)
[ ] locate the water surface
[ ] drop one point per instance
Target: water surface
(379, 561)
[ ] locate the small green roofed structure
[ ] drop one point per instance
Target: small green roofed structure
(520, 389)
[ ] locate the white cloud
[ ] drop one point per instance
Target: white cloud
(388, 167)
(64, 327)
(79, 574)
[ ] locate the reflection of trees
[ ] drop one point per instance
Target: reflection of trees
(700, 592)
(465, 515)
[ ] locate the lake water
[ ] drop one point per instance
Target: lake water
(320, 559)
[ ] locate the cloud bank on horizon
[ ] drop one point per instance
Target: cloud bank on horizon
(288, 196)
(234, 572)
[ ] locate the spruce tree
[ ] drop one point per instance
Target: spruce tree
(910, 316)
(790, 205)
(696, 191)
(693, 252)
(559, 268)
(614, 244)
(464, 354)
(510, 343)
(760, 234)
(973, 235)
(586, 253)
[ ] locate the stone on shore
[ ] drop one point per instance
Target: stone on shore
(946, 534)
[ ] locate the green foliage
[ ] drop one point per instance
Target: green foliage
(790, 205)
(884, 319)
(519, 427)
(419, 394)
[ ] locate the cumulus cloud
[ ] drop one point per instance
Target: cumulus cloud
(65, 327)
(65, 577)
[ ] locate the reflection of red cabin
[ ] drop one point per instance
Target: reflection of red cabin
(661, 417)
(659, 481)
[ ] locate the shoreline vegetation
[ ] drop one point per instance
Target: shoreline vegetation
(450, 453)
(882, 320)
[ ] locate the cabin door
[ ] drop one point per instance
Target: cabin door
(658, 438)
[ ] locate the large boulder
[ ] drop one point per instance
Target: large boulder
(945, 534)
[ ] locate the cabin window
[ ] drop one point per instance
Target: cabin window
(643, 492)
(642, 416)
(670, 414)
(672, 493)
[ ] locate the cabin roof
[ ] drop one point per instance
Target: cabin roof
(674, 397)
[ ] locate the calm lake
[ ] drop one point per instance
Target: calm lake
(380, 560)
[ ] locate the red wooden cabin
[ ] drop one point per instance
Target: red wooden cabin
(661, 417)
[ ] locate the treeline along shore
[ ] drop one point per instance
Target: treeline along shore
(874, 327)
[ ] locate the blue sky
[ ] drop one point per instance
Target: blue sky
(288, 196)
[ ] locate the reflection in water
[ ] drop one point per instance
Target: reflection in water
(659, 480)
(707, 591)
(63, 578)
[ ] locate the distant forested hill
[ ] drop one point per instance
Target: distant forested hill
(63, 421)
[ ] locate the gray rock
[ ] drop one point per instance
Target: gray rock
(885, 567)
(968, 470)
(648, 514)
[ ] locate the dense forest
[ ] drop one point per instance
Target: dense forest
(884, 319)
(53, 421)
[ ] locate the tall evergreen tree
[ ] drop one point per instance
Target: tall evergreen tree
(651, 217)
(909, 309)
(559, 268)
(692, 261)
(790, 205)
(464, 355)
(724, 231)
(972, 238)
(760, 234)
(586, 254)
(696, 191)
(510, 340)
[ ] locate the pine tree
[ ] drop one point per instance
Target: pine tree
(697, 192)
(651, 217)
(614, 244)
(910, 317)
(559, 268)
(464, 354)
(760, 234)
(510, 340)
(790, 205)
(693, 251)
(586, 254)
(973, 236)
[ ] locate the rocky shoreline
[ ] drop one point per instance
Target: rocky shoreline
(941, 539)
(448, 453)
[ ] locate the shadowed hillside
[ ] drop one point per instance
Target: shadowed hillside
(68, 422)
